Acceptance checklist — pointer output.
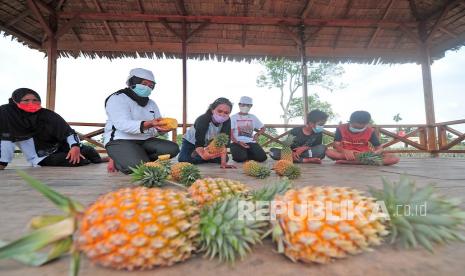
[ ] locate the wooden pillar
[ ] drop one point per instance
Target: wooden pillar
(303, 61)
(184, 79)
(425, 58)
(52, 55)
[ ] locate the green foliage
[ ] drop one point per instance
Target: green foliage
(296, 107)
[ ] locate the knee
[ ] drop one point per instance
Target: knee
(261, 157)
(172, 149)
(391, 160)
(239, 157)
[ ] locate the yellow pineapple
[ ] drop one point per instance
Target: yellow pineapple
(185, 173)
(255, 169)
(286, 151)
(306, 232)
(208, 190)
(218, 144)
(286, 168)
(170, 124)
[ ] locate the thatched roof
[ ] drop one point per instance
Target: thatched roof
(342, 30)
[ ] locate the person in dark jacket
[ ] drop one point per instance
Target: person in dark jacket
(43, 136)
(206, 127)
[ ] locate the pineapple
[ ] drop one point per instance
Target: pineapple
(424, 217)
(185, 173)
(139, 228)
(218, 144)
(286, 151)
(313, 237)
(170, 123)
(150, 174)
(208, 190)
(286, 168)
(253, 168)
(369, 158)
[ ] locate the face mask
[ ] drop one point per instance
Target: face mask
(356, 130)
(244, 109)
(29, 107)
(318, 129)
(142, 90)
(219, 119)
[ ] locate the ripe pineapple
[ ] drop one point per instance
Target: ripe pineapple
(255, 169)
(369, 158)
(185, 173)
(286, 168)
(208, 190)
(313, 237)
(217, 145)
(151, 174)
(170, 123)
(286, 151)
(420, 215)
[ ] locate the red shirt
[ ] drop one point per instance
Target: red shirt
(355, 141)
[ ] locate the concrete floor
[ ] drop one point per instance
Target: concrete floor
(18, 203)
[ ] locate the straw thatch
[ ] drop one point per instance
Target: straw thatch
(383, 31)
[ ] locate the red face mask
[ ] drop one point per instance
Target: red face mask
(29, 107)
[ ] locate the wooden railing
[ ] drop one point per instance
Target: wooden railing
(413, 140)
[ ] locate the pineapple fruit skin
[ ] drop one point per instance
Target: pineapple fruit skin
(185, 173)
(255, 169)
(139, 228)
(206, 191)
(286, 168)
(319, 240)
(171, 123)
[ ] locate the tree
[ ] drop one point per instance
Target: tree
(286, 75)
(296, 106)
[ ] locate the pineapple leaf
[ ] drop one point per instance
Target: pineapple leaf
(75, 263)
(64, 203)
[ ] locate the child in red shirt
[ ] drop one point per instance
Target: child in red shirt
(356, 136)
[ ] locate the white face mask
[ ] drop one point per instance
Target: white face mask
(244, 109)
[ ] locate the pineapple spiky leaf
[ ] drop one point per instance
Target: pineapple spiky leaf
(435, 220)
(286, 151)
(255, 169)
(268, 192)
(185, 173)
(149, 176)
(369, 158)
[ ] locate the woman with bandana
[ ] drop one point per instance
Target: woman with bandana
(43, 136)
(133, 124)
(206, 127)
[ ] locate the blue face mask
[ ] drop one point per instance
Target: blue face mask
(356, 130)
(318, 129)
(142, 90)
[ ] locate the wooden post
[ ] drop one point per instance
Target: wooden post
(303, 61)
(52, 55)
(425, 58)
(184, 79)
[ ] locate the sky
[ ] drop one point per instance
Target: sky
(84, 83)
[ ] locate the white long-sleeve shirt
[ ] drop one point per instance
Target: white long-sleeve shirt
(125, 117)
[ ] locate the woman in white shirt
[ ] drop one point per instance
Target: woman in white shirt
(133, 124)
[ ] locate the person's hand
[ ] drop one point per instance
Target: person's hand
(244, 145)
(74, 155)
(159, 125)
(2, 167)
(111, 166)
(349, 154)
(205, 155)
(295, 155)
(300, 150)
(378, 151)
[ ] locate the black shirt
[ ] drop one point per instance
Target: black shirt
(373, 139)
(302, 139)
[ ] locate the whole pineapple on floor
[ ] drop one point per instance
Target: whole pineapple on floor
(206, 191)
(305, 232)
(218, 144)
(420, 216)
(185, 173)
(255, 169)
(286, 151)
(150, 174)
(287, 169)
(369, 158)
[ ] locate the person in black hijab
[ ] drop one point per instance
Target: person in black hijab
(43, 136)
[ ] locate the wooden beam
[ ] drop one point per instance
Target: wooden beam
(446, 31)
(411, 34)
(437, 23)
(171, 29)
(303, 65)
(184, 76)
(448, 4)
(414, 9)
(63, 30)
(307, 9)
(60, 5)
(244, 27)
(19, 17)
(312, 34)
(52, 56)
(249, 20)
(105, 22)
(21, 35)
(73, 31)
(378, 29)
(45, 6)
(146, 27)
(344, 16)
(291, 34)
(202, 26)
(35, 10)
(181, 7)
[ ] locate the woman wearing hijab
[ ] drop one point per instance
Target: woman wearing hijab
(133, 123)
(43, 136)
(206, 127)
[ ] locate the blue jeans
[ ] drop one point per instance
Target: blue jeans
(186, 154)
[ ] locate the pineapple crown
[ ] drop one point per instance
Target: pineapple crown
(189, 174)
(289, 140)
(221, 140)
(149, 176)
